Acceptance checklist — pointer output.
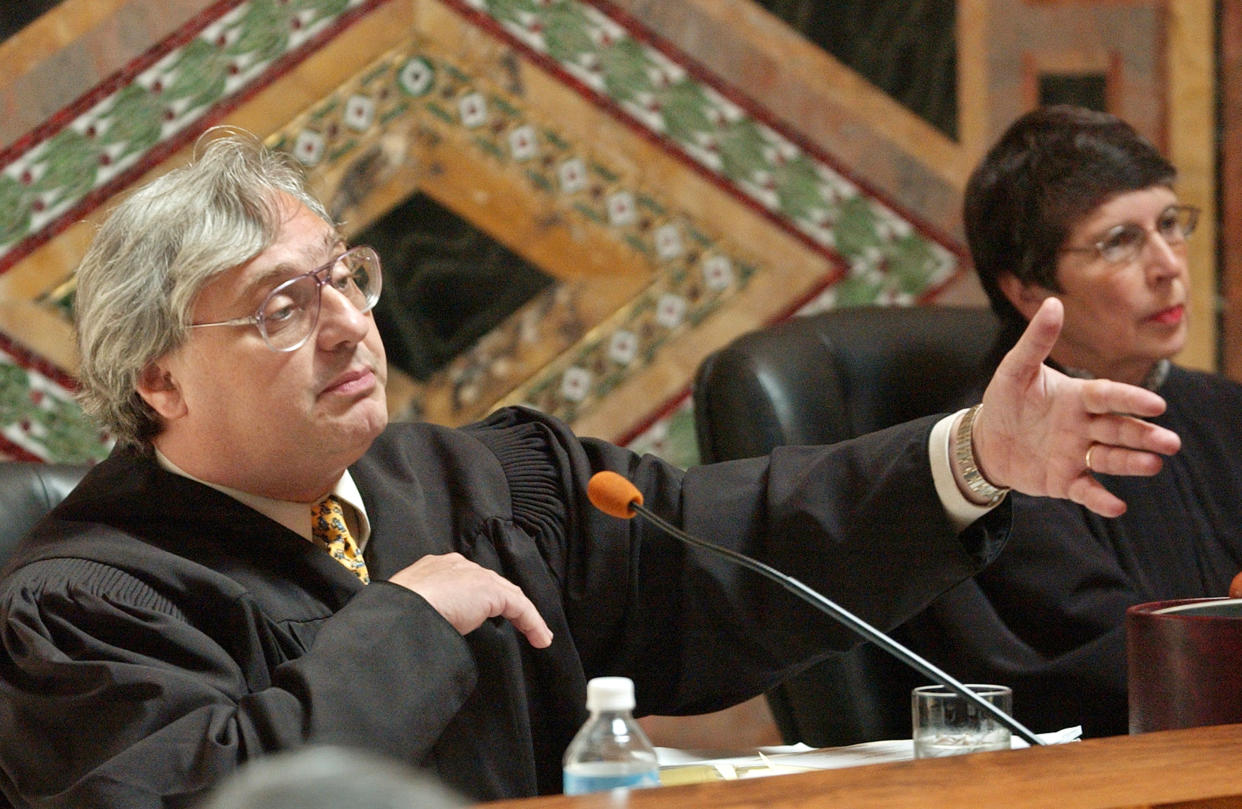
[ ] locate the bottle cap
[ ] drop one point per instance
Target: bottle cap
(610, 694)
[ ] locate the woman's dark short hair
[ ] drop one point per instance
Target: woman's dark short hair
(1052, 167)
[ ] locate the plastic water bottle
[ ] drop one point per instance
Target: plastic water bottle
(610, 751)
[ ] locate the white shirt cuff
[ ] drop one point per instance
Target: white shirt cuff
(961, 512)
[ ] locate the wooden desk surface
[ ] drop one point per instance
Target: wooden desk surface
(1178, 769)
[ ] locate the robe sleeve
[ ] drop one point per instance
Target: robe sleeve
(859, 521)
(1047, 618)
(146, 709)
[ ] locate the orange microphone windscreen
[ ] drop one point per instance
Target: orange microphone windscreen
(612, 494)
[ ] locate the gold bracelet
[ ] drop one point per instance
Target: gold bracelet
(981, 491)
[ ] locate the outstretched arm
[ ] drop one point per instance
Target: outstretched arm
(1037, 425)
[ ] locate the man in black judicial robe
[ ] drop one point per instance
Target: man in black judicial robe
(171, 620)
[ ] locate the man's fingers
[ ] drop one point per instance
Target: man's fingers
(1087, 491)
(1110, 460)
(1128, 432)
(522, 614)
(517, 609)
(1037, 425)
(1026, 358)
(467, 594)
(1106, 396)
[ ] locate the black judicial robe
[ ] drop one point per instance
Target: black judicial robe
(1048, 618)
(156, 633)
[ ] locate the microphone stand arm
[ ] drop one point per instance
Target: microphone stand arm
(888, 644)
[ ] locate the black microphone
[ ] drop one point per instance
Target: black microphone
(616, 496)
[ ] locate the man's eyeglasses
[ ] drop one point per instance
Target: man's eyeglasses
(288, 314)
(1124, 242)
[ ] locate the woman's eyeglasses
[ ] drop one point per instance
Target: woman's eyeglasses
(1125, 242)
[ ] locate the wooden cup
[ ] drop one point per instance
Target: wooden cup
(1185, 663)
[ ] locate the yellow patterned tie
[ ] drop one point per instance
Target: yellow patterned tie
(330, 533)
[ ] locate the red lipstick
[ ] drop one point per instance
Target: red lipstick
(1169, 317)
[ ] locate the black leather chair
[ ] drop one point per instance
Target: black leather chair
(818, 380)
(28, 490)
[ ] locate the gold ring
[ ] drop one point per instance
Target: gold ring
(1088, 459)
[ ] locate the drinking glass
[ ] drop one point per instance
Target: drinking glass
(947, 724)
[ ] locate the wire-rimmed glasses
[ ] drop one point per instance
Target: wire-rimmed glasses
(1123, 243)
(288, 314)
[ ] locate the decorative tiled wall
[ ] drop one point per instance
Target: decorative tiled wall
(69, 165)
(223, 56)
(682, 185)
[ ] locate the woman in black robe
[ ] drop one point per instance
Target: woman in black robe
(1075, 204)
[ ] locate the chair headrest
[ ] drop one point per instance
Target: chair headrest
(835, 375)
(29, 490)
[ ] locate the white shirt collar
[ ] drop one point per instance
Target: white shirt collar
(294, 516)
